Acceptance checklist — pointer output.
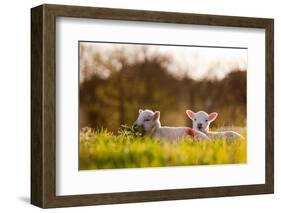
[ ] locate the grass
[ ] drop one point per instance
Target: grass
(128, 149)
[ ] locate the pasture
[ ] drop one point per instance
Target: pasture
(104, 150)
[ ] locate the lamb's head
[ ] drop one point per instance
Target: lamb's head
(201, 120)
(147, 120)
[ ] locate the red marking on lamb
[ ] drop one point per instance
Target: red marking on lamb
(190, 132)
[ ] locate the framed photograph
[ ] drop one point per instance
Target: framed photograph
(136, 106)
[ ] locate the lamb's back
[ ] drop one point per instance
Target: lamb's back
(171, 133)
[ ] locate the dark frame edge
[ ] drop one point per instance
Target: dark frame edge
(43, 107)
(156, 16)
(37, 190)
(269, 149)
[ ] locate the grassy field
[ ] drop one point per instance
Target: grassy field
(104, 150)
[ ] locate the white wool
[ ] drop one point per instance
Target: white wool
(150, 122)
(229, 135)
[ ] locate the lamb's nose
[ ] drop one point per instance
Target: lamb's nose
(135, 126)
(199, 125)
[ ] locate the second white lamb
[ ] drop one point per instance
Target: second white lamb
(202, 120)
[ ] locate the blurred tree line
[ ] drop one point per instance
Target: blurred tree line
(114, 88)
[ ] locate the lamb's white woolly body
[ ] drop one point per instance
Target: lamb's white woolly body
(149, 121)
(170, 133)
(201, 122)
(229, 135)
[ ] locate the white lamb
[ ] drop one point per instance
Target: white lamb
(149, 121)
(202, 120)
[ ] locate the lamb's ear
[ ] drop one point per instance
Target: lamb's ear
(156, 115)
(212, 116)
(140, 110)
(190, 114)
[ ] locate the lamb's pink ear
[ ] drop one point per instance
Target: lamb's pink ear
(190, 114)
(212, 116)
(140, 110)
(156, 115)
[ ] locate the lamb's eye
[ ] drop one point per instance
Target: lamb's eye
(206, 120)
(195, 119)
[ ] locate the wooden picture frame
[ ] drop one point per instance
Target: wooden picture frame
(43, 105)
